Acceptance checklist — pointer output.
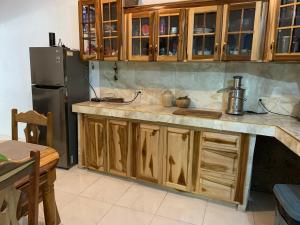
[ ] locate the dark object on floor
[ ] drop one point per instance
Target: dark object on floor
(288, 204)
(272, 162)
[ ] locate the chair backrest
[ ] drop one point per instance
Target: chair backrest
(10, 174)
(33, 120)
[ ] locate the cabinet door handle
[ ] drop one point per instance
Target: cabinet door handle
(216, 47)
(156, 49)
(272, 47)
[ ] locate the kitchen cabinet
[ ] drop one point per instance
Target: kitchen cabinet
(243, 31)
(118, 147)
(111, 27)
(284, 29)
(100, 28)
(169, 35)
(156, 35)
(218, 165)
(150, 146)
(140, 35)
(95, 143)
(204, 33)
(178, 158)
(204, 162)
(88, 29)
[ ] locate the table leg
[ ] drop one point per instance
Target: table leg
(50, 208)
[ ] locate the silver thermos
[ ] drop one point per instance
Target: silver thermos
(236, 97)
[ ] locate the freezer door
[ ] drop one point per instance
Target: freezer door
(47, 66)
(53, 99)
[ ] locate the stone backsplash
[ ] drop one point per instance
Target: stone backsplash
(276, 83)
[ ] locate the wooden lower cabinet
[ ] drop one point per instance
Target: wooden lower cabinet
(148, 157)
(178, 158)
(95, 143)
(118, 147)
(204, 162)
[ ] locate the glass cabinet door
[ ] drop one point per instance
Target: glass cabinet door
(88, 33)
(110, 22)
(287, 44)
(169, 34)
(204, 33)
(140, 37)
(240, 31)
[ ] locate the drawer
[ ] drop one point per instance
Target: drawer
(216, 186)
(221, 141)
(219, 161)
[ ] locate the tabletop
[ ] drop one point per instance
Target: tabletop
(20, 151)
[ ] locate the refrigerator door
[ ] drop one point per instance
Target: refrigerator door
(47, 66)
(53, 99)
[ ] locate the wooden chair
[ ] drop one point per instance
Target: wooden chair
(10, 174)
(33, 120)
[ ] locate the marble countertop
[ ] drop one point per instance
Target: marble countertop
(285, 129)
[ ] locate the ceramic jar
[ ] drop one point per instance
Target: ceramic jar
(167, 98)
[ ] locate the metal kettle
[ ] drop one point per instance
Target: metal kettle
(236, 97)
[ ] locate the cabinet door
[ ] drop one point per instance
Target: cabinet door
(111, 35)
(118, 146)
(95, 143)
(243, 31)
(170, 25)
(88, 29)
(204, 33)
(148, 153)
(178, 158)
(140, 36)
(287, 30)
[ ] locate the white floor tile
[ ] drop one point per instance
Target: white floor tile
(142, 198)
(75, 183)
(83, 211)
(62, 198)
(158, 220)
(124, 216)
(224, 215)
(107, 189)
(186, 209)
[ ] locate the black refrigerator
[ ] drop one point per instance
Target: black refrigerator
(59, 79)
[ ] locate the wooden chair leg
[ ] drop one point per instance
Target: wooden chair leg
(50, 208)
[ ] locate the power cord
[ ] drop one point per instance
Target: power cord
(96, 99)
(135, 97)
(265, 108)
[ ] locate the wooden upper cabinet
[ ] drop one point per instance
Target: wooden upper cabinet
(178, 158)
(140, 36)
(88, 29)
(284, 27)
(243, 30)
(204, 33)
(169, 35)
(111, 27)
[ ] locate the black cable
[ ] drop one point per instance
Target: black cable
(264, 107)
(94, 99)
(135, 97)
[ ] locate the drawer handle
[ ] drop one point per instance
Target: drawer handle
(220, 141)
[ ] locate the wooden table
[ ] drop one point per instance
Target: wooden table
(19, 151)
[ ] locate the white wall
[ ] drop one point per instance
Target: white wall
(24, 24)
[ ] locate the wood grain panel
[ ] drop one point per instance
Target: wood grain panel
(219, 161)
(221, 141)
(118, 147)
(95, 144)
(217, 186)
(178, 158)
(148, 152)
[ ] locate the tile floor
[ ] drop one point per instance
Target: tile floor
(87, 198)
